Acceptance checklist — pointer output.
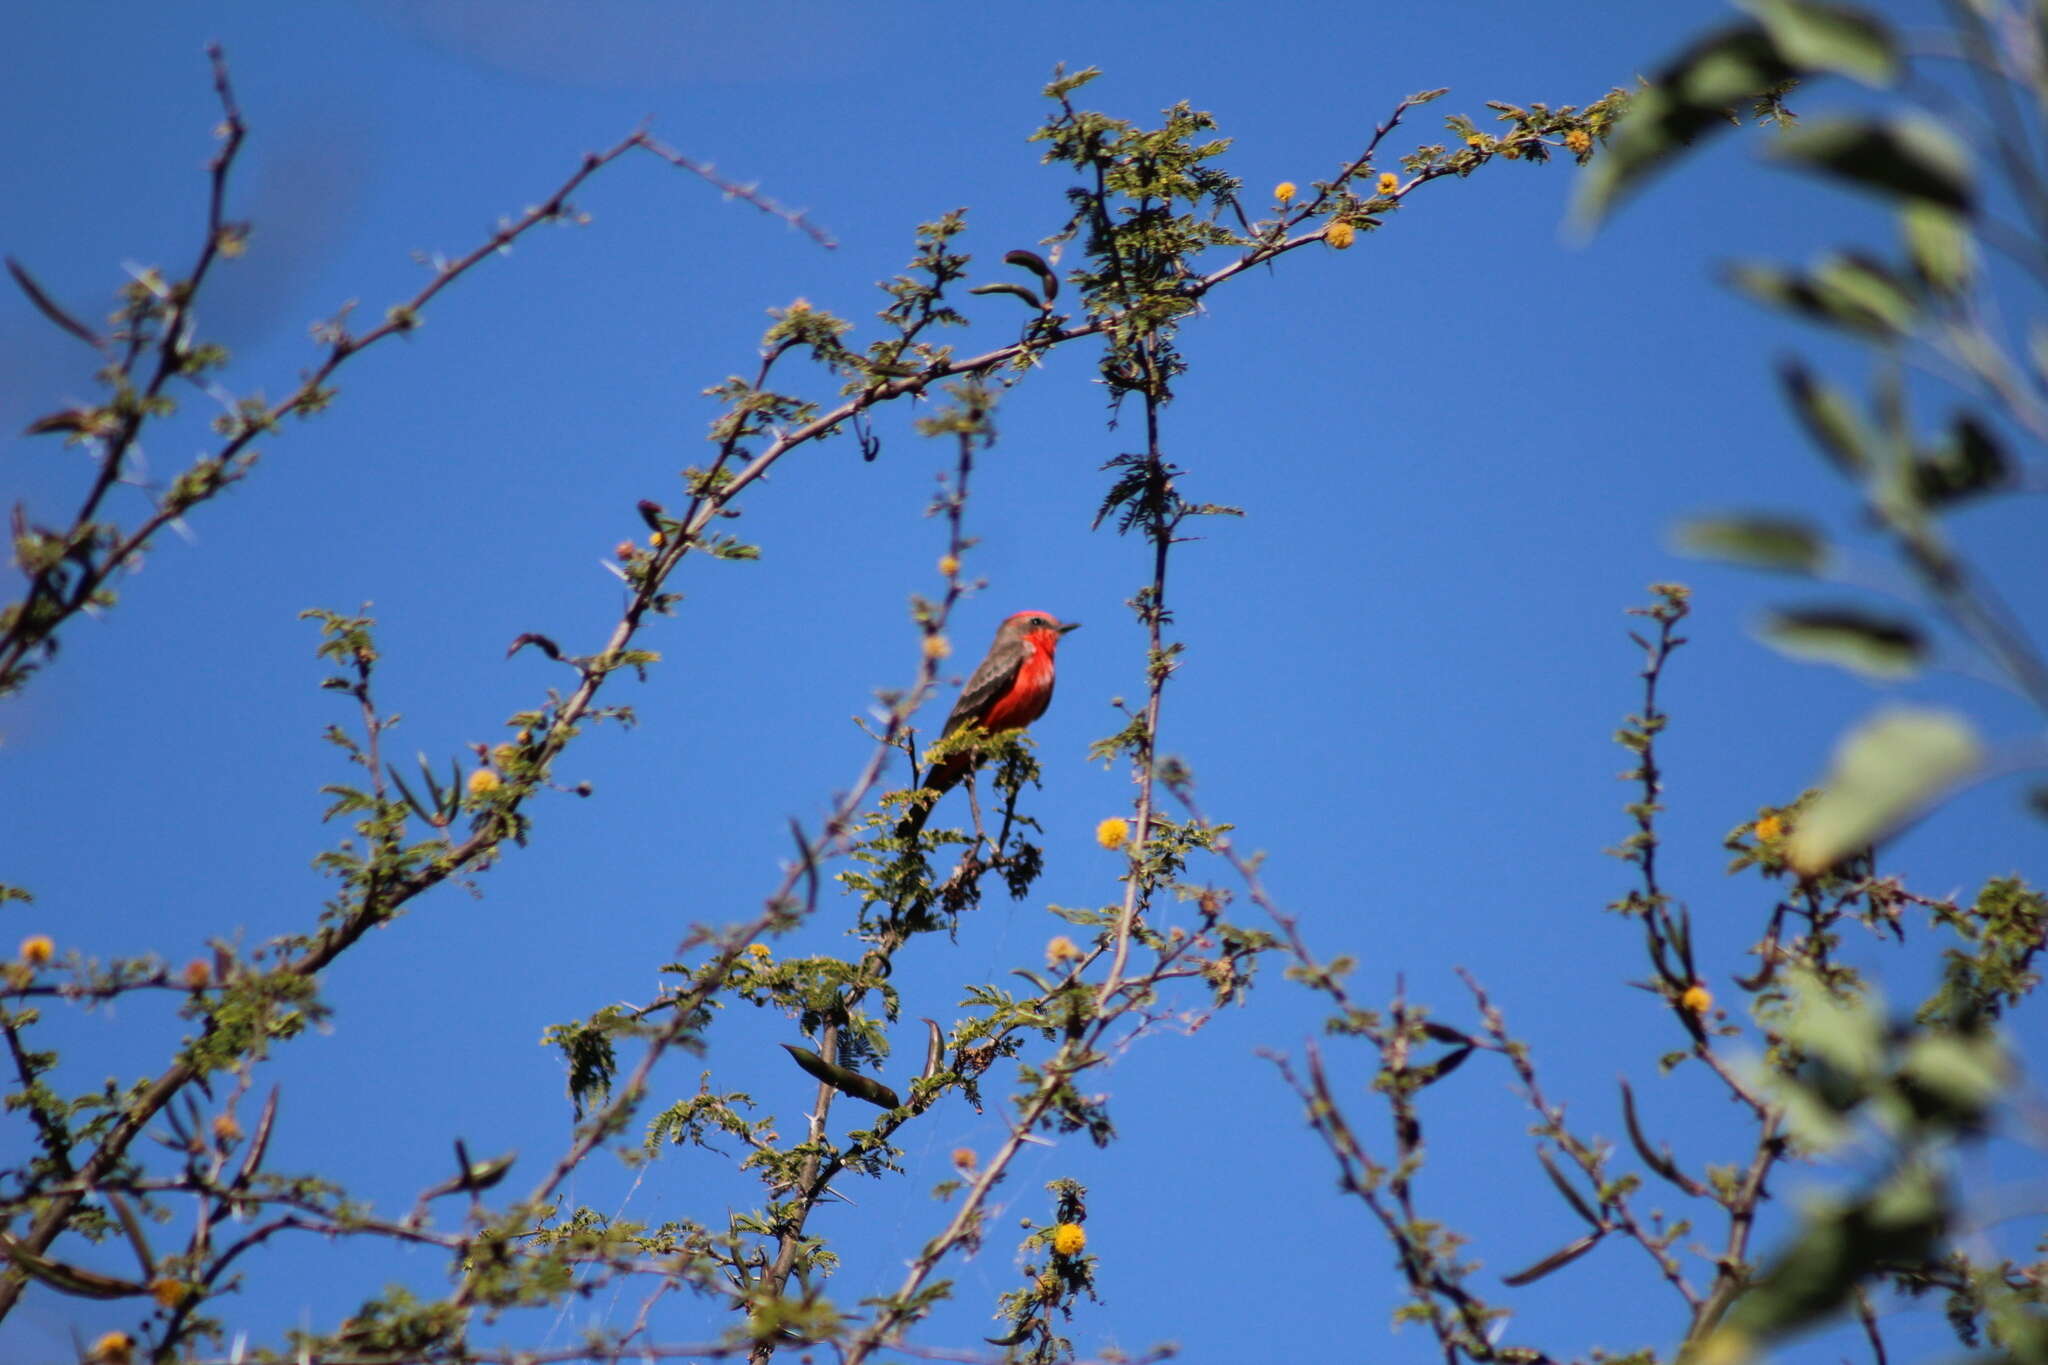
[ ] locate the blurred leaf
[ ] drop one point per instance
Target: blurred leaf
(1953, 1077)
(1879, 647)
(1938, 240)
(1761, 542)
(1855, 293)
(1831, 418)
(1847, 1033)
(1689, 99)
(1971, 462)
(1911, 158)
(1885, 773)
(1833, 38)
(1839, 1244)
(1862, 284)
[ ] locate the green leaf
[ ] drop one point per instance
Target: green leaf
(1909, 158)
(1831, 418)
(1688, 100)
(1938, 240)
(1886, 772)
(1833, 38)
(1761, 542)
(1877, 646)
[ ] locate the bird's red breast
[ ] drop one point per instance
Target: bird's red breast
(1030, 692)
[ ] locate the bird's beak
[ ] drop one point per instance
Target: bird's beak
(1071, 625)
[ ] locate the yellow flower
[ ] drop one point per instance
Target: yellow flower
(1389, 182)
(1340, 235)
(1284, 192)
(965, 1159)
(1068, 1239)
(759, 951)
(656, 539)
(1769, 828)
(226, 1129)
(1060, 949)
(937, 647)
(1697, 998)
(483, 782)
(1113, 833)
(1578, 141)
(949, 565)
(524, 736)
(37, 949)
(115, 1348)
(1476, 140)
(167, 1293)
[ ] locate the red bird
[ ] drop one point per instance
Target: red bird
(1010, 689)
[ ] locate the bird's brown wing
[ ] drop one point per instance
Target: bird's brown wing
(987, 685)
(991, 681)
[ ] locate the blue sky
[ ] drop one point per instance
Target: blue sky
(1460, 447)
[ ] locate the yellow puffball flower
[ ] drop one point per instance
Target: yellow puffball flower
(167, 1293)
(115, 1348)
(1113, 833)
(1769, 828)
(1697, 998)
(226, 1129)
(1284, 192)
(37, 949)
(937, 647)
(760, 952)
(949, 565)
(1060, 949)
(656, 539)
(1578, 141)
(483, 782)
(1068, 1239)
(1340, 235)
(1389, 182)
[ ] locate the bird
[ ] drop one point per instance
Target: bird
(1010, 688)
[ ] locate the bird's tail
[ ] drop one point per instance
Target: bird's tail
(942, 778)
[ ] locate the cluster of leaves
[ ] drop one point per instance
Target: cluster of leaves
(1832, 1069)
